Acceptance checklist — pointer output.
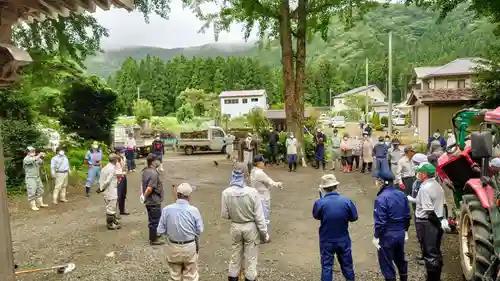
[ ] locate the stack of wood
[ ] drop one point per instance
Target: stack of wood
(239, 134)
(195, 135)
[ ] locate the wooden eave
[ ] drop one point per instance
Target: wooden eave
(13, 11)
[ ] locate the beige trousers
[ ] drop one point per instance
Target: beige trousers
(248, 157)
(61, 182)
(182, 262)
(110, 206)
(245, 240)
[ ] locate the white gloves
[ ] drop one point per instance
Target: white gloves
(142, 198)
(266, 238)
(406, 236)
(445, 226)
(376, 243)
(411, 199)
(279, 185)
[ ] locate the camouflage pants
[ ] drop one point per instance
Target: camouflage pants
(34, 187)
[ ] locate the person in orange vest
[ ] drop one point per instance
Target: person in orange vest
(93, 159)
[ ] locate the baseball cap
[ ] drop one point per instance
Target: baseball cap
(495, 163)
(328, 180)
(385, 175)
(259, 158)
(419, 158)
(30, 148)
(426, 168)
(185, 189)
(408, 149)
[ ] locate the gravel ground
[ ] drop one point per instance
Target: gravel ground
(76, 232)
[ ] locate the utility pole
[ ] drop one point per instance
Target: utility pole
(330, 90)
(390, 84)
(366, 92)
(138, 93)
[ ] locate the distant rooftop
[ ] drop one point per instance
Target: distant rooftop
(443, 95)
(243, 93)
(354, 91)
(461, 66)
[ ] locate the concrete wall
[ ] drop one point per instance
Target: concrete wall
(241, 108)
(422, 121)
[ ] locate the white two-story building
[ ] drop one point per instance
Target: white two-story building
(239, 103)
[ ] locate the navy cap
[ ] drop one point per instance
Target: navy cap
(258, 158)
(385, 175)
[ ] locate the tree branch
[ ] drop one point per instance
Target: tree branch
(264, 10)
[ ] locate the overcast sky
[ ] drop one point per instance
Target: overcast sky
(180, 30)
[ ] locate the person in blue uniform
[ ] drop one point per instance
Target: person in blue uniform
(380, 151)
(335, 213)
(319, 142)
(391, 217)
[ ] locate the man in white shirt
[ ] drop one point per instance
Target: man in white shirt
(108, 185)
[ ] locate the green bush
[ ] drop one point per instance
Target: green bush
(408, 119)
(375, 119)
(384, 121)
(379, 128)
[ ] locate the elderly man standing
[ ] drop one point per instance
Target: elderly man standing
(405, 173)
(152, 194)
(59, 170)
(34, 185)
(291, 152)
(335, 213)
(93, 159)
(108, 183)
(181, 222)
(242, 205)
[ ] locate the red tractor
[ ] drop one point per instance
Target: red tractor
(464, 168)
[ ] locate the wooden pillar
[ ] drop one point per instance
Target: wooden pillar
(6, 252)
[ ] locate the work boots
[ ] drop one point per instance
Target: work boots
(39, 202)
(317, 164)
(403, 277)
(33, 205)
(112, 223)
(229, 278)
(63, 195)
(154, 239)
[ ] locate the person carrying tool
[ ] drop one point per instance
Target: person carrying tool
(335, 213)
(366, 153)
(405, 171)
(291, 152)
(262, 182)
(346, 152)
(242, 205)
(59, 170)
(34, 185)
(430, 222)
(152, 193)
(380, 151)
(319, 143)
(158, 149)
(93, 159)
(108, 184)
(181, 222)
(274, 138)
(130, 146)
(122, 183)
(391, 216)
(394, 154)
(336, 155)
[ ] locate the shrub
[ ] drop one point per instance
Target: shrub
(379, 128)
(375, 119)
(408, 119)
(384, 121)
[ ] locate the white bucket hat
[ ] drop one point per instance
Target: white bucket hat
(328, 181)
(185, 189)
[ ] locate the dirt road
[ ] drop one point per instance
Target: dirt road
(76, 232)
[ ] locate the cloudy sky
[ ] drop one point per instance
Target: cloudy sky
(181, 30)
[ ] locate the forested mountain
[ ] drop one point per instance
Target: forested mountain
(337, 64)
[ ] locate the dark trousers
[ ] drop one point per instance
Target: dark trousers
(292, 161)
(122, 194)
(154, 214)
(431, 236)
(273, 152)
(342, 249)
(392, 252)
(408, 183)
(130, 156)
(355, 161)
(419, 239)
(346, 160)
(364, 165)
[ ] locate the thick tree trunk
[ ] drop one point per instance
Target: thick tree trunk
(287, 62)
(300, 62)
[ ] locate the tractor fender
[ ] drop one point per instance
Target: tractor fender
(486, 194)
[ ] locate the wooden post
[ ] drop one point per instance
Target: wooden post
(6, 252)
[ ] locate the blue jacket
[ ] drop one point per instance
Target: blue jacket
(380, 150)
(335, 212)
(391, 212)
(441, 140)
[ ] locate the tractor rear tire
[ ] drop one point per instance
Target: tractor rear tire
(476, 247)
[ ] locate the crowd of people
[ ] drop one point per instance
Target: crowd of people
(404, 178)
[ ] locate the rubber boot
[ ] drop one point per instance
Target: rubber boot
(54, 197)
(161, 167)
(290, 165)
(433, 276)
(324, 166)
(116, 221)
(87, 191)
(154, 239)
(317, 164)
(295, 166)
(229, 278)
(403, 277)
(39, 202)
(63, 195)
(246, 279)
(390, 279)
(110, 222)
(349, 168)
(33, 205)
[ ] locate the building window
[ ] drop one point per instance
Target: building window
(244, 100)
(231, 101)
(461, 84)
(340, 101)
(255, 99)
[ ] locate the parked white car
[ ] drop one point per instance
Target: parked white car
(338, 122)
(399, 120)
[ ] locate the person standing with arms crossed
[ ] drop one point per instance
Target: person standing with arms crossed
(59, 170)
(152, 193)
(241, 205)
(335, 213)
(181, 222)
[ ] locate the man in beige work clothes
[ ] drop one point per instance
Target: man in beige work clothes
(242, 205)
(108, 184)
(59, 170)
